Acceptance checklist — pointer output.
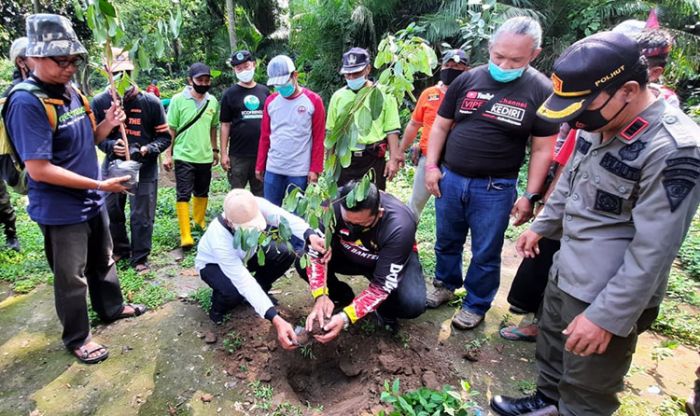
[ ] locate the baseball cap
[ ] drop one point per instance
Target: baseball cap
(279, 70)
(456, 55)
(18, 49)
(585, 69)
(239, 57)
(120, 61)
(52, 35)
(241, 210)
(355, 60)
(198, 69)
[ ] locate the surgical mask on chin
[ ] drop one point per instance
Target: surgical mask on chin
(357, 83)
(201, 89)
(448, 75)
(245, 76)
(505, 75)
(286, 90)
(592, 120)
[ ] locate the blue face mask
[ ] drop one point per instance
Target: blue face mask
(357, 83)
(505, 75)
(286, 90)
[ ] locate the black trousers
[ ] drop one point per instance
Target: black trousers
(225, 296)
(143, 214)
(407, 301)
(372, 158)
(527, 289)
(242, 172)
(192, 179)
(7, 213)
(80, 257)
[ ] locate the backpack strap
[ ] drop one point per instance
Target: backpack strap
(49, 103)
(88, 109)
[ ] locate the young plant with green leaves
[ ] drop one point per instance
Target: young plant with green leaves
(425, 401)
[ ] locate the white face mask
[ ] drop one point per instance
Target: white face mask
(245, 76)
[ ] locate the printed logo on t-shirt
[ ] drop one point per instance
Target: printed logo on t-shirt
(473, 100)
(251, 102)
(507, 110)
(301, 109)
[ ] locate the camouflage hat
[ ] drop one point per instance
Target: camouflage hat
(52, 35)
(18, 49)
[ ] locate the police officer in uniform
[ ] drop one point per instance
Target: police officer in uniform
(622, 208)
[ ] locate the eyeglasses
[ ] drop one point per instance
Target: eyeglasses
(65, 63)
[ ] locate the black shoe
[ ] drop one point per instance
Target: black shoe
(390, 324)
(511, 406)
(518, 311)
(12, 243)
(216, 316)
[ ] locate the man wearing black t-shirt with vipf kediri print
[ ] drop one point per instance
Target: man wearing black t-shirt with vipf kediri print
(240, 116)
(479, 138)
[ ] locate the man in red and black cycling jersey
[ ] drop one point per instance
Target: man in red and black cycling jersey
(374, 238)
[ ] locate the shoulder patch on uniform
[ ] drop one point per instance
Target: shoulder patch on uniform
(634, 128)
(676, 191)
(619, 168)
(680, 172)
(682, 161)
(632, 150)
(607, 202)
(583, 145)
(681, 130)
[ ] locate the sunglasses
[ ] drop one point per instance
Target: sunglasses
(65, 63)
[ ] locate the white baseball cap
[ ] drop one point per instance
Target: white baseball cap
(279, 70)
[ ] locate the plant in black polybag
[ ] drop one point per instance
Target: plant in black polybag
(129, 168)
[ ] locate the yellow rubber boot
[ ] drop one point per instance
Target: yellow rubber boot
(183, 218)
(199, 211)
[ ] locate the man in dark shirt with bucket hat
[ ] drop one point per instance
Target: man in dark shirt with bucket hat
(621, 209)
(65, 190)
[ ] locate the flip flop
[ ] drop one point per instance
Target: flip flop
(83, 354)
(138, 311)
(513, 333)
(142, 268)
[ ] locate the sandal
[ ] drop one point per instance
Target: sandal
(513, 333)
(142, 268)
(138, 311)
(83, 354)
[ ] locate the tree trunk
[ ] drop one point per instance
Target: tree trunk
(36, 6)
(231, 17)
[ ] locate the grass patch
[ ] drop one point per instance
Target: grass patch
(690, 250)
(202, 297)
(679, 322)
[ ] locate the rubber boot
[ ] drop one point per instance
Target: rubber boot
(199, 210)
(183, 218)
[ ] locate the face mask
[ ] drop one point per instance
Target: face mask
(448, 75)
(286, 90)
(357, 83)
(245, 76)
(592, 120)
(201, 89)
(505, 75)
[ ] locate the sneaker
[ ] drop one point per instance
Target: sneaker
(12, 243)
(216, 316)
(142, 268)
(437, 296)
(466, 319)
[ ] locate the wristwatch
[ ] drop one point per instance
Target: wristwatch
(532, 197)
(215, 150)
(346, 319)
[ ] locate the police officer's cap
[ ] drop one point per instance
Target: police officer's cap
(606, 59)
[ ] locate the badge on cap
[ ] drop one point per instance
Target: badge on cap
(239, 56)
(352, 59)
(557, 83)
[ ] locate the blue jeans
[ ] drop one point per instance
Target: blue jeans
(483, 206)
(276, 185)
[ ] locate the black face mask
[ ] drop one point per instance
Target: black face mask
(448, 75)
(592, 120)
(356, 230)
(201, 89)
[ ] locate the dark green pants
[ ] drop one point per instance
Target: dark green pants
(7, 213)
(584, 386)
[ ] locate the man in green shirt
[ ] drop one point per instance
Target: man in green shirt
(370, 151)
(193, 120)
